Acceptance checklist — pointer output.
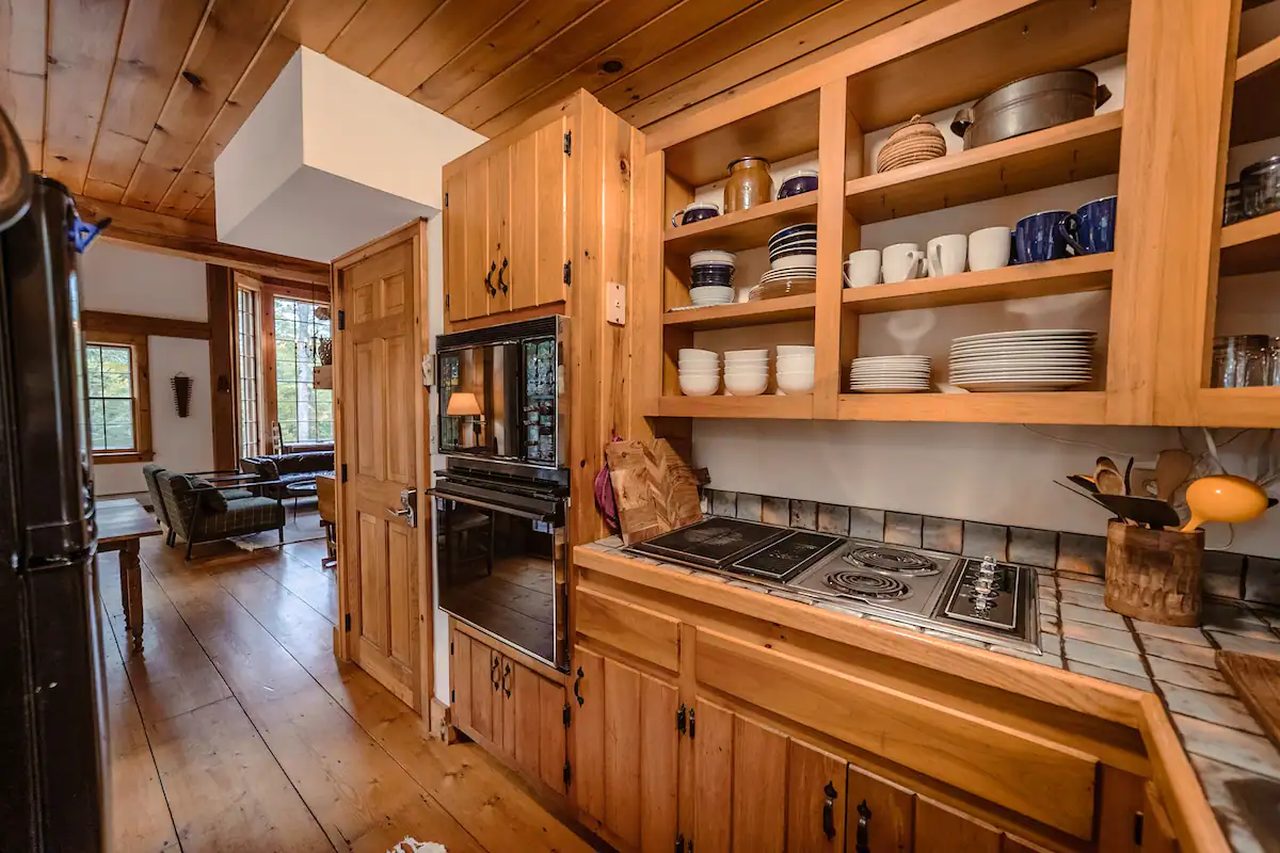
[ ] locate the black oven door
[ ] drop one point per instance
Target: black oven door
(500, 566)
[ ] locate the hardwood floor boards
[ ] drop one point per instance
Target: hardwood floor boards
(237, 729)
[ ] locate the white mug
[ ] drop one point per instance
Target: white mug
(862, 268)
(947, 254)
(989, 248)
(902, 262)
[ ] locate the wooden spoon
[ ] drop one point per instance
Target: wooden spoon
(1109, 481)
(1173, 467)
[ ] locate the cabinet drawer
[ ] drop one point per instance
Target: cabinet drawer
(636, 630)
(1045, 781)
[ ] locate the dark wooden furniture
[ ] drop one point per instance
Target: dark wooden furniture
(121, 526)
(326, 504)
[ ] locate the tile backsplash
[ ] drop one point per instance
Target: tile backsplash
(1226, 574)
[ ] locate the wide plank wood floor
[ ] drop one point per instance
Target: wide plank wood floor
(237, 729)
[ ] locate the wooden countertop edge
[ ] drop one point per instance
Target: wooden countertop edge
(1173, 774)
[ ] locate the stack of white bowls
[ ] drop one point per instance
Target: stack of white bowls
(746, 372)
(795, 369)
(712, 277)
(699, 372)
(890, 374)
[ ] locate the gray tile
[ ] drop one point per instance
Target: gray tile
(943, 534)
(1221, 710)
(1262, 580)
(1238, 797)
(1050, 644)
(1190, 636)
(1138, 682)
(1049, 620)
(749, 507)
(1239, 749)
(985, 540)
(903, 528)
(1046, 659)
(1033, 547)
(1267, 613)
(1186, 675)
(1105, 657)
(1084, 581)
(833, 519)
(724, 503)
(804, 514)
(866, 523)
(1078, 552)
(1083, 599)
(1092, 615)
(1233, 619)
(1184, 652)
(1248, 645)
(776, 511)
(1115, 638)
(1222, 573)
(1086, 587)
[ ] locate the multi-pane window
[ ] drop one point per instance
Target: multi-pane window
(109, 369)
(305, 412)
(248, 400)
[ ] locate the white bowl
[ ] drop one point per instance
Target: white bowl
(745, 386)
(711, 291)
(761, 368)
(708, 257)
(699, 368)
(698, 372)
(698, 353)
(699, 386)
(795, 349)
(743, 353)
(792, 262)
(795, 383)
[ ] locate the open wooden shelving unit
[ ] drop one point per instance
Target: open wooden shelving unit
(1159, 277)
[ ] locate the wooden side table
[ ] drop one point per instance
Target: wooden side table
(122, 524)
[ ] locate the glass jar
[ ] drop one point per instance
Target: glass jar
(1233, 204)
(1261, 185)
(1273, 366)
(749, 184)
(1241, 361)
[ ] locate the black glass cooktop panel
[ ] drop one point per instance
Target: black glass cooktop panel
(712, 542)
(789, 555)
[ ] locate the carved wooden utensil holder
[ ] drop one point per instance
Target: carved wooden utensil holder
(1154, 575)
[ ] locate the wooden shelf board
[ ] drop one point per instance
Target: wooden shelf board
(1058, 155)
(1240, 407)
(1053, 407)
(1253, 113)
(720, 406)
(787, 309)
(742, 229)
(775, 133)
(1046, 36)
(1023, 281)
(1251, 246)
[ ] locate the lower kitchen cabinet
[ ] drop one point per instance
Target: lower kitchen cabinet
(518, 711)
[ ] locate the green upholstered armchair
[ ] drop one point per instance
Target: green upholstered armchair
(200, 511)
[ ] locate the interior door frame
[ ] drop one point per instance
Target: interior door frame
(414, 232)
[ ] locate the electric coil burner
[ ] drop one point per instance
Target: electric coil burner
(879, 587)
(886, 559)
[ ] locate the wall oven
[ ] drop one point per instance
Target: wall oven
(500, 552)
(502, 392)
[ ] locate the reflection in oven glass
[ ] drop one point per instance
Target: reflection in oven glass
(497, 572)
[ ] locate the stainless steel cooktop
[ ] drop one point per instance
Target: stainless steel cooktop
(980, 599)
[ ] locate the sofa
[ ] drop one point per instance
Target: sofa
(288, 469)
(213, 479)
(197, 510)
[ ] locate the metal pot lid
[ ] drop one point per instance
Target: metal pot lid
(1261, 166)
(16, 182)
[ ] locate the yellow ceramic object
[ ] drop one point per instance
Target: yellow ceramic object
(1224, 498)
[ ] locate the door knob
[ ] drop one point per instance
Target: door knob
(408, 507)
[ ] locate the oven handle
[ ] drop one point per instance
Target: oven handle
(496, 507)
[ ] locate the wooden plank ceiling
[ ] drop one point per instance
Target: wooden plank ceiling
(130, 101)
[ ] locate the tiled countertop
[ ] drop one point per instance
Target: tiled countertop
(1239, 768)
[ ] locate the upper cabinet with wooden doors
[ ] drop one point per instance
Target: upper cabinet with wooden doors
(507, 221)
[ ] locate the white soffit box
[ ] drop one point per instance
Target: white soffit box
(329, 160)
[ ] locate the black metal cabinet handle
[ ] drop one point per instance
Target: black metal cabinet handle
(493, 672)
(576, 682)
(506, 681)
(502, 285)
(829, 811)
(488, 279)
(863, 839)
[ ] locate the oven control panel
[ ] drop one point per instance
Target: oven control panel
(985, 593)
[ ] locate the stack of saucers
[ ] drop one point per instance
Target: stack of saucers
(890, 374)
(746, 372)
(1025, 360)
(793, 263)
(712, 277)
(795, 369)
(699, 371)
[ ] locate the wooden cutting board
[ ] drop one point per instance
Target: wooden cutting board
(654, 489)
(1257, 680)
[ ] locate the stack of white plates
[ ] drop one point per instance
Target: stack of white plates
(1026, 360)
(746, 372)
(795, 369)
(699, 371)
(890, 374)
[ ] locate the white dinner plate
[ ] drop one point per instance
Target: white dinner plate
(1020, 334)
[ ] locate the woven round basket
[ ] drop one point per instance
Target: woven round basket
(916, 141)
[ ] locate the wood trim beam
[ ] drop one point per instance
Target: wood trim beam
(186, 238)
(137, 324)
(220, 287)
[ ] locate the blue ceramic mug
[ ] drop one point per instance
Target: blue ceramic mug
(1092, 228)
(1040, 238)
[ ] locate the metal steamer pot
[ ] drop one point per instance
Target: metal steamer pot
(1029, 104)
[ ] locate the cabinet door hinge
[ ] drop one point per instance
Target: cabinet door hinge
(446, 199)
(451, 647)
(344, 472)
(342, 320)
(693, 730)
(568, 143)
(568, 272)
(446, 300)
(568, 774)
(453, 696)
(1137, 829)
(565, 715)
(346, 622)
(681, 718)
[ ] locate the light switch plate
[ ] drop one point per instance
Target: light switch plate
(428, 371)
(615, 310)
